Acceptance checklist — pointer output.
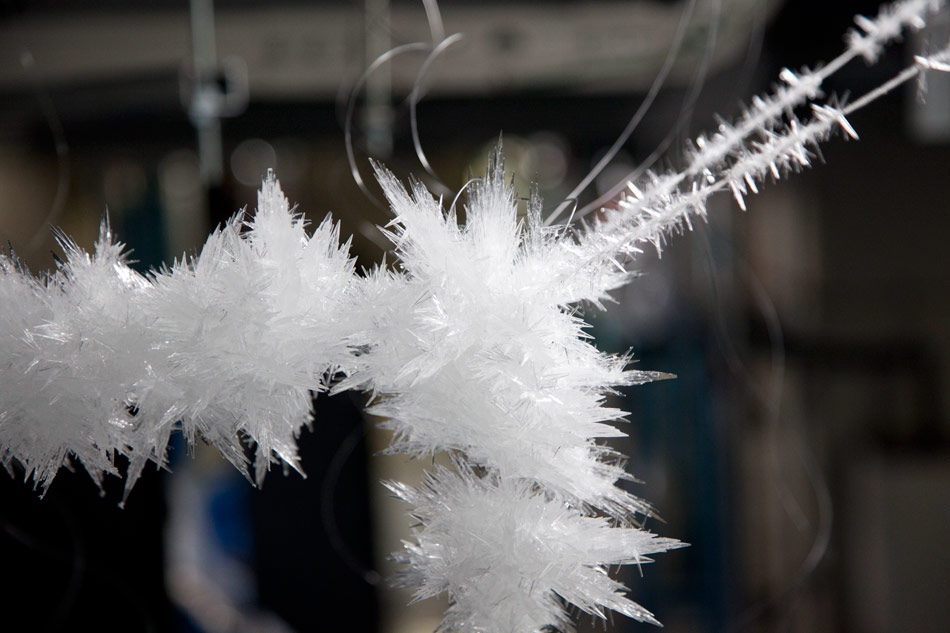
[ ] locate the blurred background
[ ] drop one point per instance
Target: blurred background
(802, 450)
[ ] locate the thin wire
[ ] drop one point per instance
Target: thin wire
(699, 80)
(905, 76)
(416, 95)
(818, 76)
(62, 152)
(458, 195)
(726, 180)
(686, 113)
(434, 20)
(637, 117)
(351, 107)
(434, 17)
(437, 31)
(570, 217)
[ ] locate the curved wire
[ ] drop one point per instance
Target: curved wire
(685, 114)
(351, 107)
(470, 181)
(416, 95)
(439, 44)
(570, 218)
(436, 30)
(434, 17)
(637, 117)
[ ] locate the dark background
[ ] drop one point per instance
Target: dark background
(802, 451)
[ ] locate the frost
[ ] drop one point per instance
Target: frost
(100, 360)
(501, 542)
(477, 350)
(472, 345)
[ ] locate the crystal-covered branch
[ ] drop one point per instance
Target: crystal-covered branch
(470, 345)
(99, 360)
(708, 154)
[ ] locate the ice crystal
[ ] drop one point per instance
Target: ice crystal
(100, 360)
(502, 542)
(478, 351)
(472, 344)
